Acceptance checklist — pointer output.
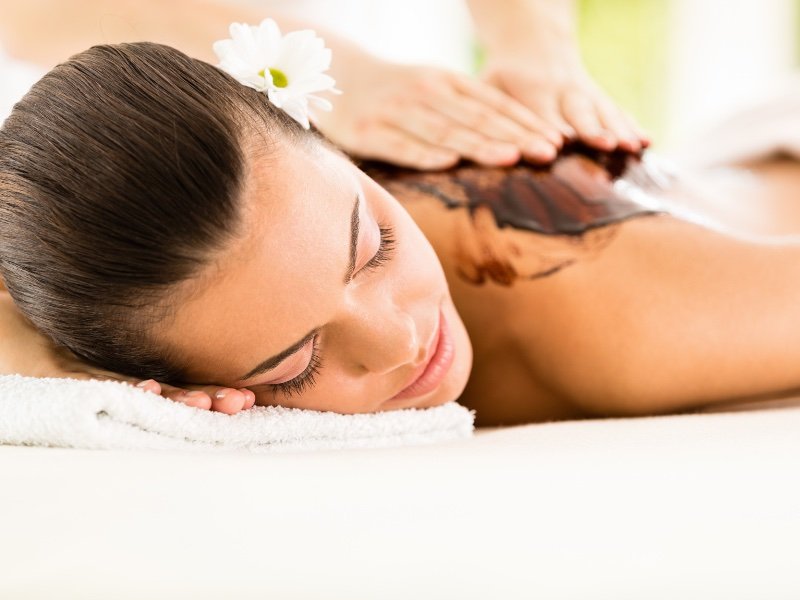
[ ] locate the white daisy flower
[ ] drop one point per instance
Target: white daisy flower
(288, 68)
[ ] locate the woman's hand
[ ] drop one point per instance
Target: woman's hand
(25, 351)
(569, 101)
(429, 118)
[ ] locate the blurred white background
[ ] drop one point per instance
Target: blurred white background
(677, 65)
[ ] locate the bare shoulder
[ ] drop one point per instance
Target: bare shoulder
(599, 300)
(508, 239)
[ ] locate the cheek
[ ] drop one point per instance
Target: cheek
(416, 257)
(415, 260)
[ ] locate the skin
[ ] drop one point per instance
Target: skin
(532, 94)
(642, 326)
(284, 276)
(668, 316)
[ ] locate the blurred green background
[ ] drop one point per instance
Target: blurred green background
(624, 44)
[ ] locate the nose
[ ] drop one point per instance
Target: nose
(383, 342)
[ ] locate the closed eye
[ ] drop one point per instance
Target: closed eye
(306, 379)
(386, 250)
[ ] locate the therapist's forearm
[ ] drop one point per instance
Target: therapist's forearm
(47, 32)
(546, 27)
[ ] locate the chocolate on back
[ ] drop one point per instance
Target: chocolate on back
(574, 202)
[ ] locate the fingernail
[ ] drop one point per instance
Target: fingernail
(144, 383)
(606, 137)
(437, 161)
(632, 145)
(498, 154)
(220, 394)
(540, 149)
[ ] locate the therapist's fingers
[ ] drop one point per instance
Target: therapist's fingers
(547, 107)
(503, 104)
(634, 130)
(502, 139)
(580, 112)
(435, 129)
(620, 127)
(392, 144)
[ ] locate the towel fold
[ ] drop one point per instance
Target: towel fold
(112, 415)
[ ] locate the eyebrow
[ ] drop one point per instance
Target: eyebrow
(274, 361)
(355, 224)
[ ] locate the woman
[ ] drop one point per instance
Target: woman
(161, 220)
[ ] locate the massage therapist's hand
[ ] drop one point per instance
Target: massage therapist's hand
(25, 351)
(568, 100)
(429, 118)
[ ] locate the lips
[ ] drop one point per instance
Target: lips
(430, 375)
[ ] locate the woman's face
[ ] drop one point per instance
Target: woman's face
(330, 298)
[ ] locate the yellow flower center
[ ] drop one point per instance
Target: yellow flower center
(279, 78)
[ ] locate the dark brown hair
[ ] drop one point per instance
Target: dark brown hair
(120, 173)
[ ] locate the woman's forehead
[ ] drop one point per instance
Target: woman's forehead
(283, 277)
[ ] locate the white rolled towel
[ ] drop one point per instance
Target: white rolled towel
(112, 415)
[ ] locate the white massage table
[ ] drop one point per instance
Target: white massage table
(693, 506)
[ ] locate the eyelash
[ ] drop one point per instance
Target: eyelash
(307, 378)
(385, 250)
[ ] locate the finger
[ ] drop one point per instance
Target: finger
(615, 122)
(644, 138)
(150, 385)
(222, 399)
(476, 147)
(435, 129)
(540, 151)
(641, 134)
(193, 398)
(549, 112)
(228, 401)
(250, 398)
(494, 126)
(390, 144)
(581, 114)
(511, 108)
(546, 108)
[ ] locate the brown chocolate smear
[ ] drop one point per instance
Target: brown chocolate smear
(572, 202)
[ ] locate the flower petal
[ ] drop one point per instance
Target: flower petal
(320, 103)
(298, 110)
(301, 56)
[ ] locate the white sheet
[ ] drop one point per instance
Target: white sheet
(696, 506)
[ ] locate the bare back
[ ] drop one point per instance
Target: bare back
(603, 285)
